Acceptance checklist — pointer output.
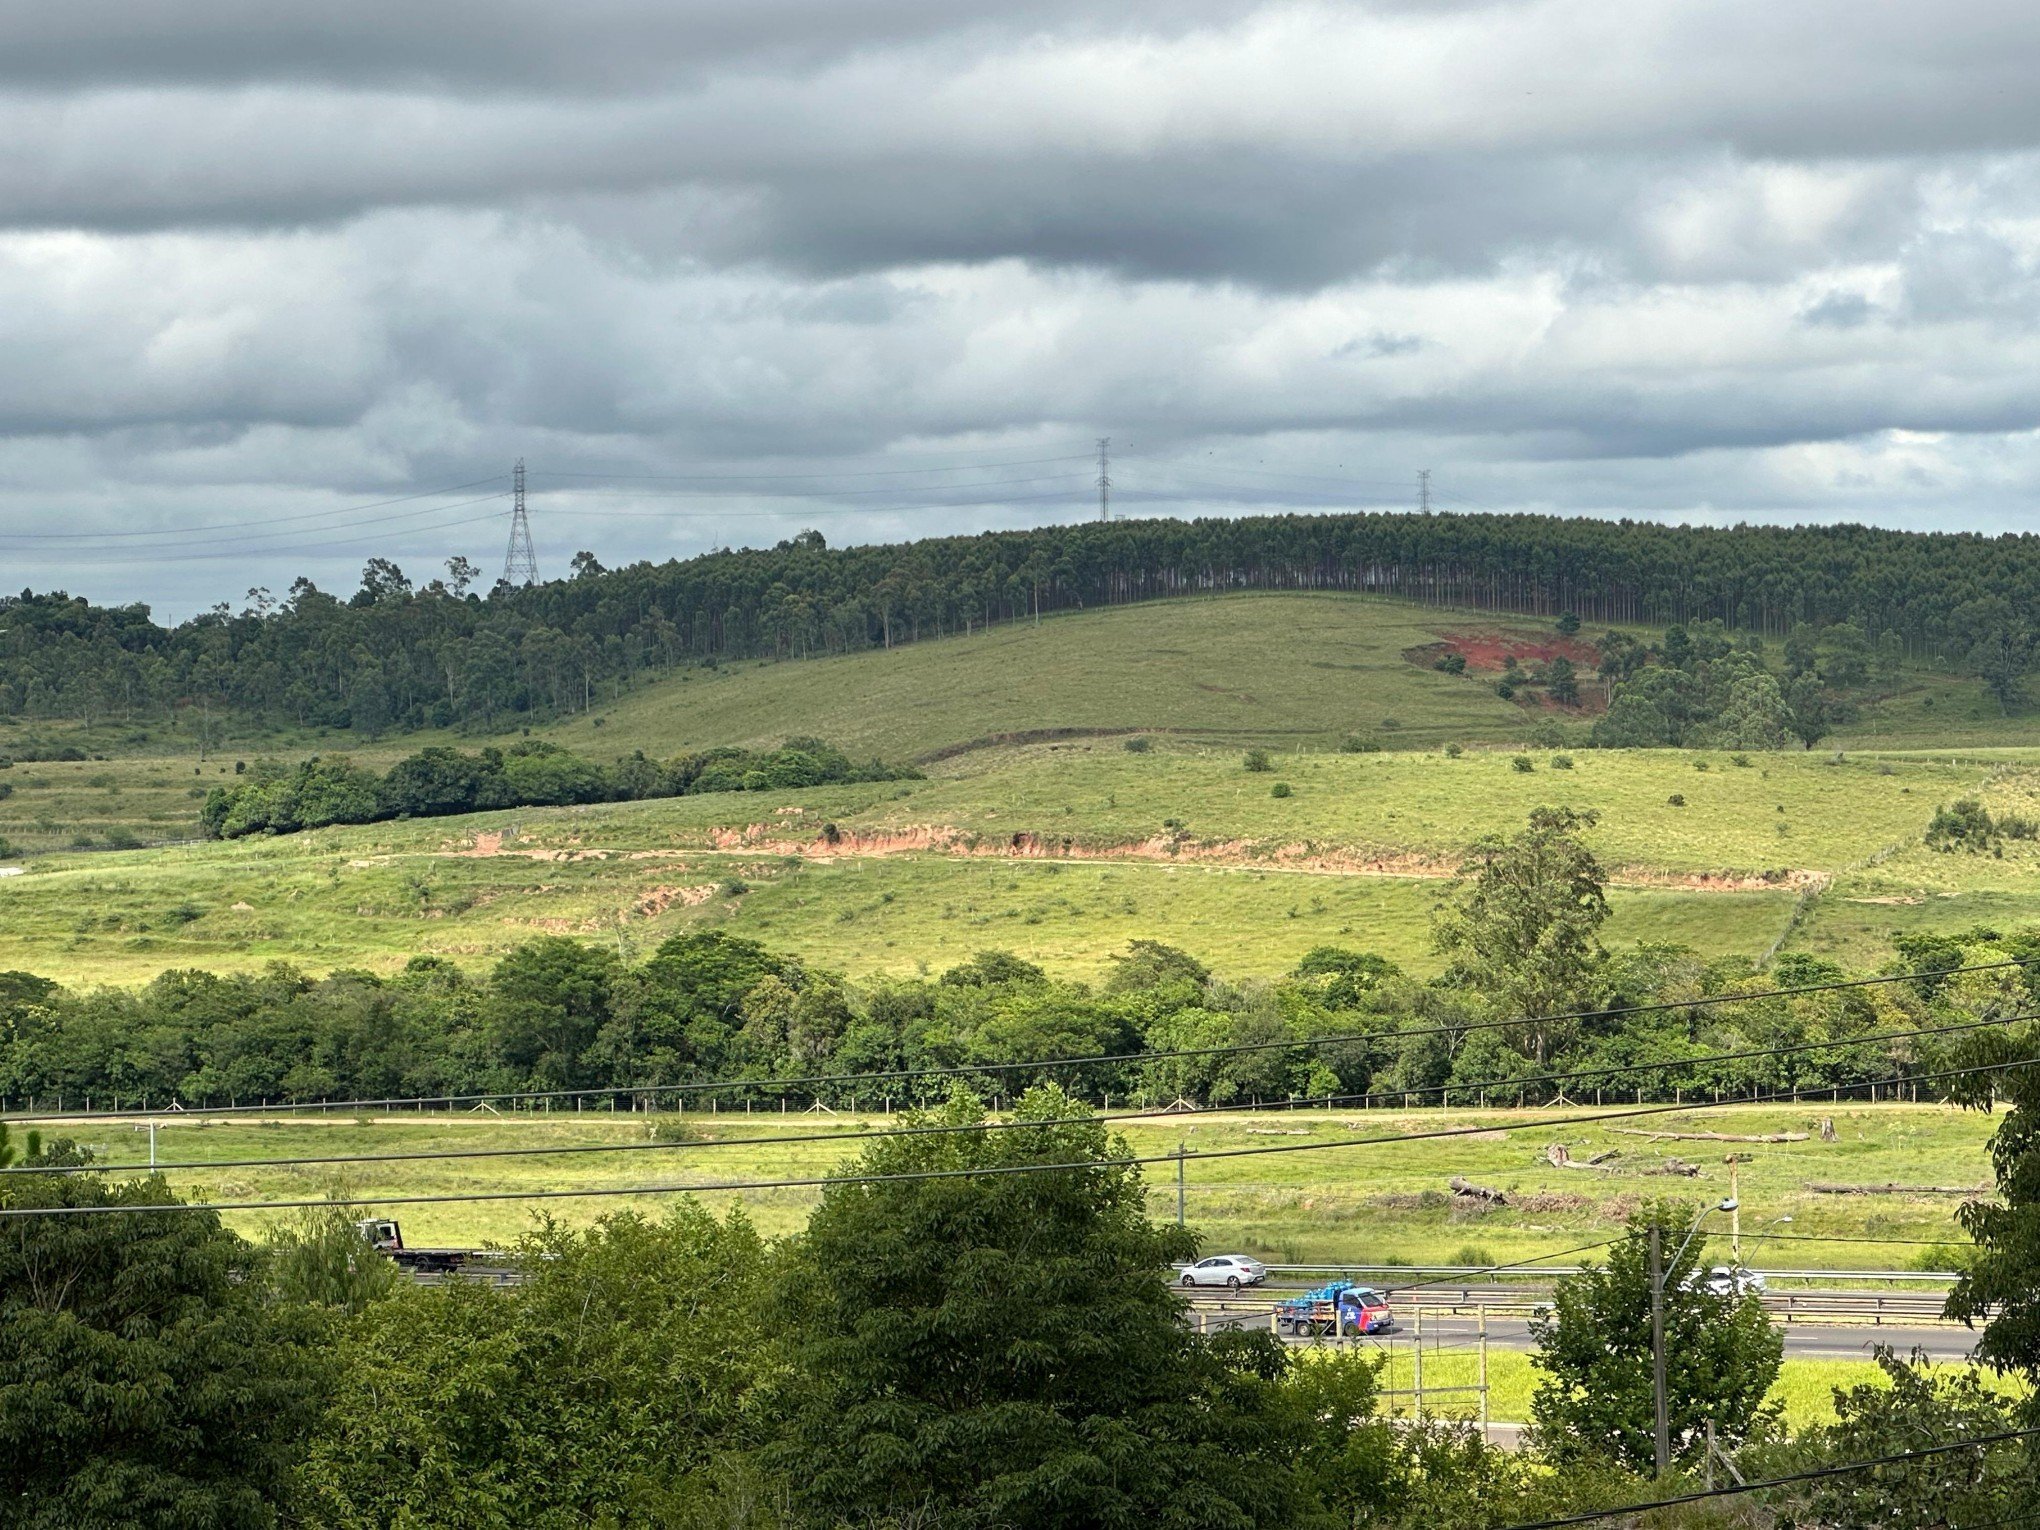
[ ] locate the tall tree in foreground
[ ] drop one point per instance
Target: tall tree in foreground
(1595, 1399)
(611, 1388)
(1918, 1406)
(1004, 1348)
(2000, 1284)
(1524, 929)
(146, 1378)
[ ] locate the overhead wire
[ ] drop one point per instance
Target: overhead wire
(1164, 1113)
(964, 1070)
(243, 550)
(956, 467)
(270, 520)
(1086, 1165)
(1788, 1479)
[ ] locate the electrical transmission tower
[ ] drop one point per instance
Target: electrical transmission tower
(1423, 491)
(520, 563)
(1104, 478)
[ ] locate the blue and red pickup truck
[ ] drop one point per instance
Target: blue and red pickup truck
(1341, 1307)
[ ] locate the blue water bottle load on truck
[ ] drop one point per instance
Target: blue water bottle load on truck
(1341, 1307)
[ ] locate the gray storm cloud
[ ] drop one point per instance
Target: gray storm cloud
(1669, 257)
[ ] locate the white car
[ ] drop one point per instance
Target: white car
(1229, 1270)
(1729, 1280)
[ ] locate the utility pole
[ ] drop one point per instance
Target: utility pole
(1104, 478)
(1663, 1427)
(1423, 491)
(520, 563)
(1182, 1152)
(1735, 1216)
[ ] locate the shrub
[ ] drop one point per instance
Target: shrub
(1505, 689)
(118, 838)
(1453, 663)
(1257, 760)
(1739, 761)
(1391, 724)
(1568, 623)
(1280, 789)
(1561, 762)
(1548, 735)
(1356, 743)
(1522, 765)
(1968, 825)
(1140, 743)
(8, 850)
(1453, 751)
(1677, 799)
(6, 790)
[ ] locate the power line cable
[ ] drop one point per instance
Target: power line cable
(553, 507)
(917, 1175)
(1161, 1114)
(1816, 1474)
(816, 494)
(959, 467)
(283, 536)
(961, 1070)
(304, 547)
(271, 520)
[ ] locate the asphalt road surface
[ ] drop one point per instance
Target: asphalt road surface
(1806, 1341)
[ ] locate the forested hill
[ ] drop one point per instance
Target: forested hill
(398, 655)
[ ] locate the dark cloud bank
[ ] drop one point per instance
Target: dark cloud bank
(1702, 260)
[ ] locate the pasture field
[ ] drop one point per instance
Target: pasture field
(1806, 1387)
(1306, 1186)
(1062, 852)
(1376, 1203)
(1062, 849)
(1302, 669)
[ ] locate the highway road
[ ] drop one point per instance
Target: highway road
(1804, 1341)
(1829, 1325)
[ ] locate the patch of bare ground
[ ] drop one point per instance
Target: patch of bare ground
(1307, 856)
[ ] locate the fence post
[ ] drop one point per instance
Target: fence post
(1483, 1377)
(1417, 1360)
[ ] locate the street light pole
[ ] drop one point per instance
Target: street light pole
(1660, 1406)
(1662, 1420)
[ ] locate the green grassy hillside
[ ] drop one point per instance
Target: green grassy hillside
(1064, 852)
(1063, 848)
(1268, 668)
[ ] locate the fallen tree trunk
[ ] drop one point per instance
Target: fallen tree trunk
(1471, 1191)
(1631, 1131)
(1673, 1166)
(1561, 1159)
(1818, 1187)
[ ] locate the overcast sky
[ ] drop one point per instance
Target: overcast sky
(720, 271)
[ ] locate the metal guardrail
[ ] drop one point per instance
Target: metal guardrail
(1474, 1273)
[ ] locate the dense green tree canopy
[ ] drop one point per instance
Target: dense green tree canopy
(1005, 1349)
(403, 655)
(1594, 1394)
(146, 1377)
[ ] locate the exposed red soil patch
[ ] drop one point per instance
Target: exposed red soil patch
(834, 843)
(1488, 651)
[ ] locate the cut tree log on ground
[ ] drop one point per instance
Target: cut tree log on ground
(1817, 1187)
(1677, 1166)
(1468, 1190)
(1631, 1131)
(1562, 1159)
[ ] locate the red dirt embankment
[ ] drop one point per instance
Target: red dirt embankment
(1489, 652)
(833, 843)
